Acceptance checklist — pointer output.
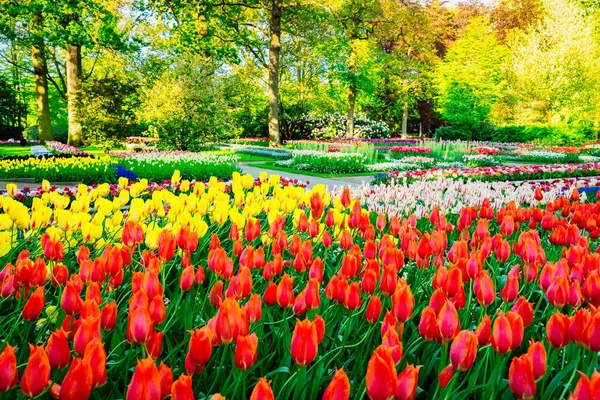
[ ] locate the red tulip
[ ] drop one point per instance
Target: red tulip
(373, 310)
(305, 342)
(154, 344)
(166, 245)
(486, 293)
(484, 331)
(517, 329)
(70, 300)
(166, 380)
(34, 306)
(353, 300)
(320, 327)
(88, 331)
(501, 334)
(510, 291)
(140, 325)
(262, 391)
(391, 340)
(339, 387)
(182, 389)
(448, 322)
(186, 280)
(403, 302)
(557, 330)
(37, 372)
(520, 377)
(95, 356)
(381, 378)
(388, 281)
(428, 326)
(77, 384)
(108, 318)
(537, 353)
(408, 381)
(463, 350)
(58, 350)
(446, 375)
(558, 292)
(145, 383)
(200, 346)
(8, 369)
(524, 309)
(587, 389)
(246, 351)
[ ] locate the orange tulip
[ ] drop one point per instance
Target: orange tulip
(305, 342)
(587, 389)
(285, 292)
(200, 346)
(558, 292)
(408, 381)
(154, 344)
(381, 377)
(95, 356)
(320, 327)
(37, 372)
(166, 380)
(157, 310)
(77, 384)
(246, 351)
(88, 331)
(186, 280)
(34, 306)
(312, 296)
(510, 291)
(8, 369)
(166, 245)
(521, 379)
(387, 283)
(339, 387)
(353, 300)
(58, 350)
(145, 383)
(485, 292)
(229, 322)
(463, 350)
(182, 388)
(392, 341)
(517, 329)
(524, 309)
(262, 391)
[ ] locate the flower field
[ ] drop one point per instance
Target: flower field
(260, 290)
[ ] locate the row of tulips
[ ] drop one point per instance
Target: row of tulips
(263, 291)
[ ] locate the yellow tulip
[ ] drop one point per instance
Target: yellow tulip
(11, 189)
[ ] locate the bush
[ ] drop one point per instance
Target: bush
(332, 126)
(459, 132)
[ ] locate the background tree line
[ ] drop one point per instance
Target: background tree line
(198, 70)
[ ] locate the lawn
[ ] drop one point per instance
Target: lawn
(15, 150)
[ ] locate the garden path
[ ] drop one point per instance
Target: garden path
(247, 168)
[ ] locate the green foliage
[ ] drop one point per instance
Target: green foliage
(371, 155)
(12, 111)
(161, 170)
(185, 108)
(108, 107)
(471, 79)
(333, 163)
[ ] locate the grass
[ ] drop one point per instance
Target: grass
(94, 150)
(272, 166)
(15, 150)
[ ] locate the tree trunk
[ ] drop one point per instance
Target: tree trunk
(405, 118)
(40, 69)
(351, 105)
(273, 90)
(73, 93)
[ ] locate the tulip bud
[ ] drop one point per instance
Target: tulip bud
(521, 379)
(381, 379)
(304, 344)
(37, 372)
(246, 351)
(339, 387)
(8, 369)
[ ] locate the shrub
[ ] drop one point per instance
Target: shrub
(332, 126)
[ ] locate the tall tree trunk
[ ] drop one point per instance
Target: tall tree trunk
(405, 118)
(273, 90)
(40, 69)
(351, 105)
(73, 93)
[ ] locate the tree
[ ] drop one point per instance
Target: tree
(472, 78)
(556, 67)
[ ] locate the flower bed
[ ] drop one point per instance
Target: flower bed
(58, 169)
(258, 150)
(326, 162)
(500, 173)
(402, 151)
(542, 156)
(159, 166)
(489, 151)
(61, 148)
(272, 292)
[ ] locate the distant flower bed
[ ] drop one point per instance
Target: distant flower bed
(140, 140)
(13, 142)
(326, 162)
(480, 160)
(62, 148)
(255, 141)
(490, 151)
(403, 151)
